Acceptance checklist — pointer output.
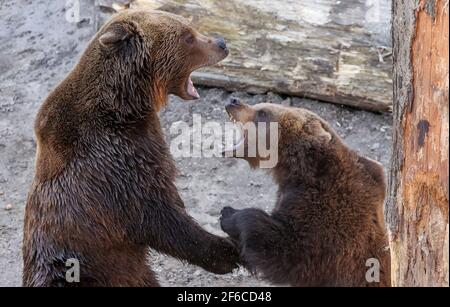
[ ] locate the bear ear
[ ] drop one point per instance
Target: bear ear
(115, 34)
(318, 130)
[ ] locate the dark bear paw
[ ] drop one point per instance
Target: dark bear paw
(227, 212)
(228, 221)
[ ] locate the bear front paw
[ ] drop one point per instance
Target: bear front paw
(227, 212)
(228, 222)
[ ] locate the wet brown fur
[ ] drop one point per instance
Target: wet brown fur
(104, 191)
(327, 221)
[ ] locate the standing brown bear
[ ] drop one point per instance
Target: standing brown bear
(104, 191)
(327, 226)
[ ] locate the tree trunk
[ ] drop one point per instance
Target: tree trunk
(417, 206)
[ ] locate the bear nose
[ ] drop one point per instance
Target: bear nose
(235, 102)
(221, 43)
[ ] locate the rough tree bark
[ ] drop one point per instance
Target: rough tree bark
(417, 206)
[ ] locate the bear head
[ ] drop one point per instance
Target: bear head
(154, 51)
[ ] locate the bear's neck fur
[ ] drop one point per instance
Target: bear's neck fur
(92, 100)
(127, 98)
(133, 92)
(319, 171)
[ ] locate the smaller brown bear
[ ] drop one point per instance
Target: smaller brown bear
(327, 226)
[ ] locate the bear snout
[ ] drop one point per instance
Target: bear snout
(235, 102)
(220, 41)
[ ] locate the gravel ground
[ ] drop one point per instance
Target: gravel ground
(38, 47)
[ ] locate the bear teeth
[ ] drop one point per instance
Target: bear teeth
(232, 118)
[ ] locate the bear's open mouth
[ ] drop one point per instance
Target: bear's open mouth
(241, 134)
(190, 89)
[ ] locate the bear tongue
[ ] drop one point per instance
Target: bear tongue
(192, 91)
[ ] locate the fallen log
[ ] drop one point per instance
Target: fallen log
(335, 51)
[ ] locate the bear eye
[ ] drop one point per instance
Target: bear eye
(189, 39)
(262, 114)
